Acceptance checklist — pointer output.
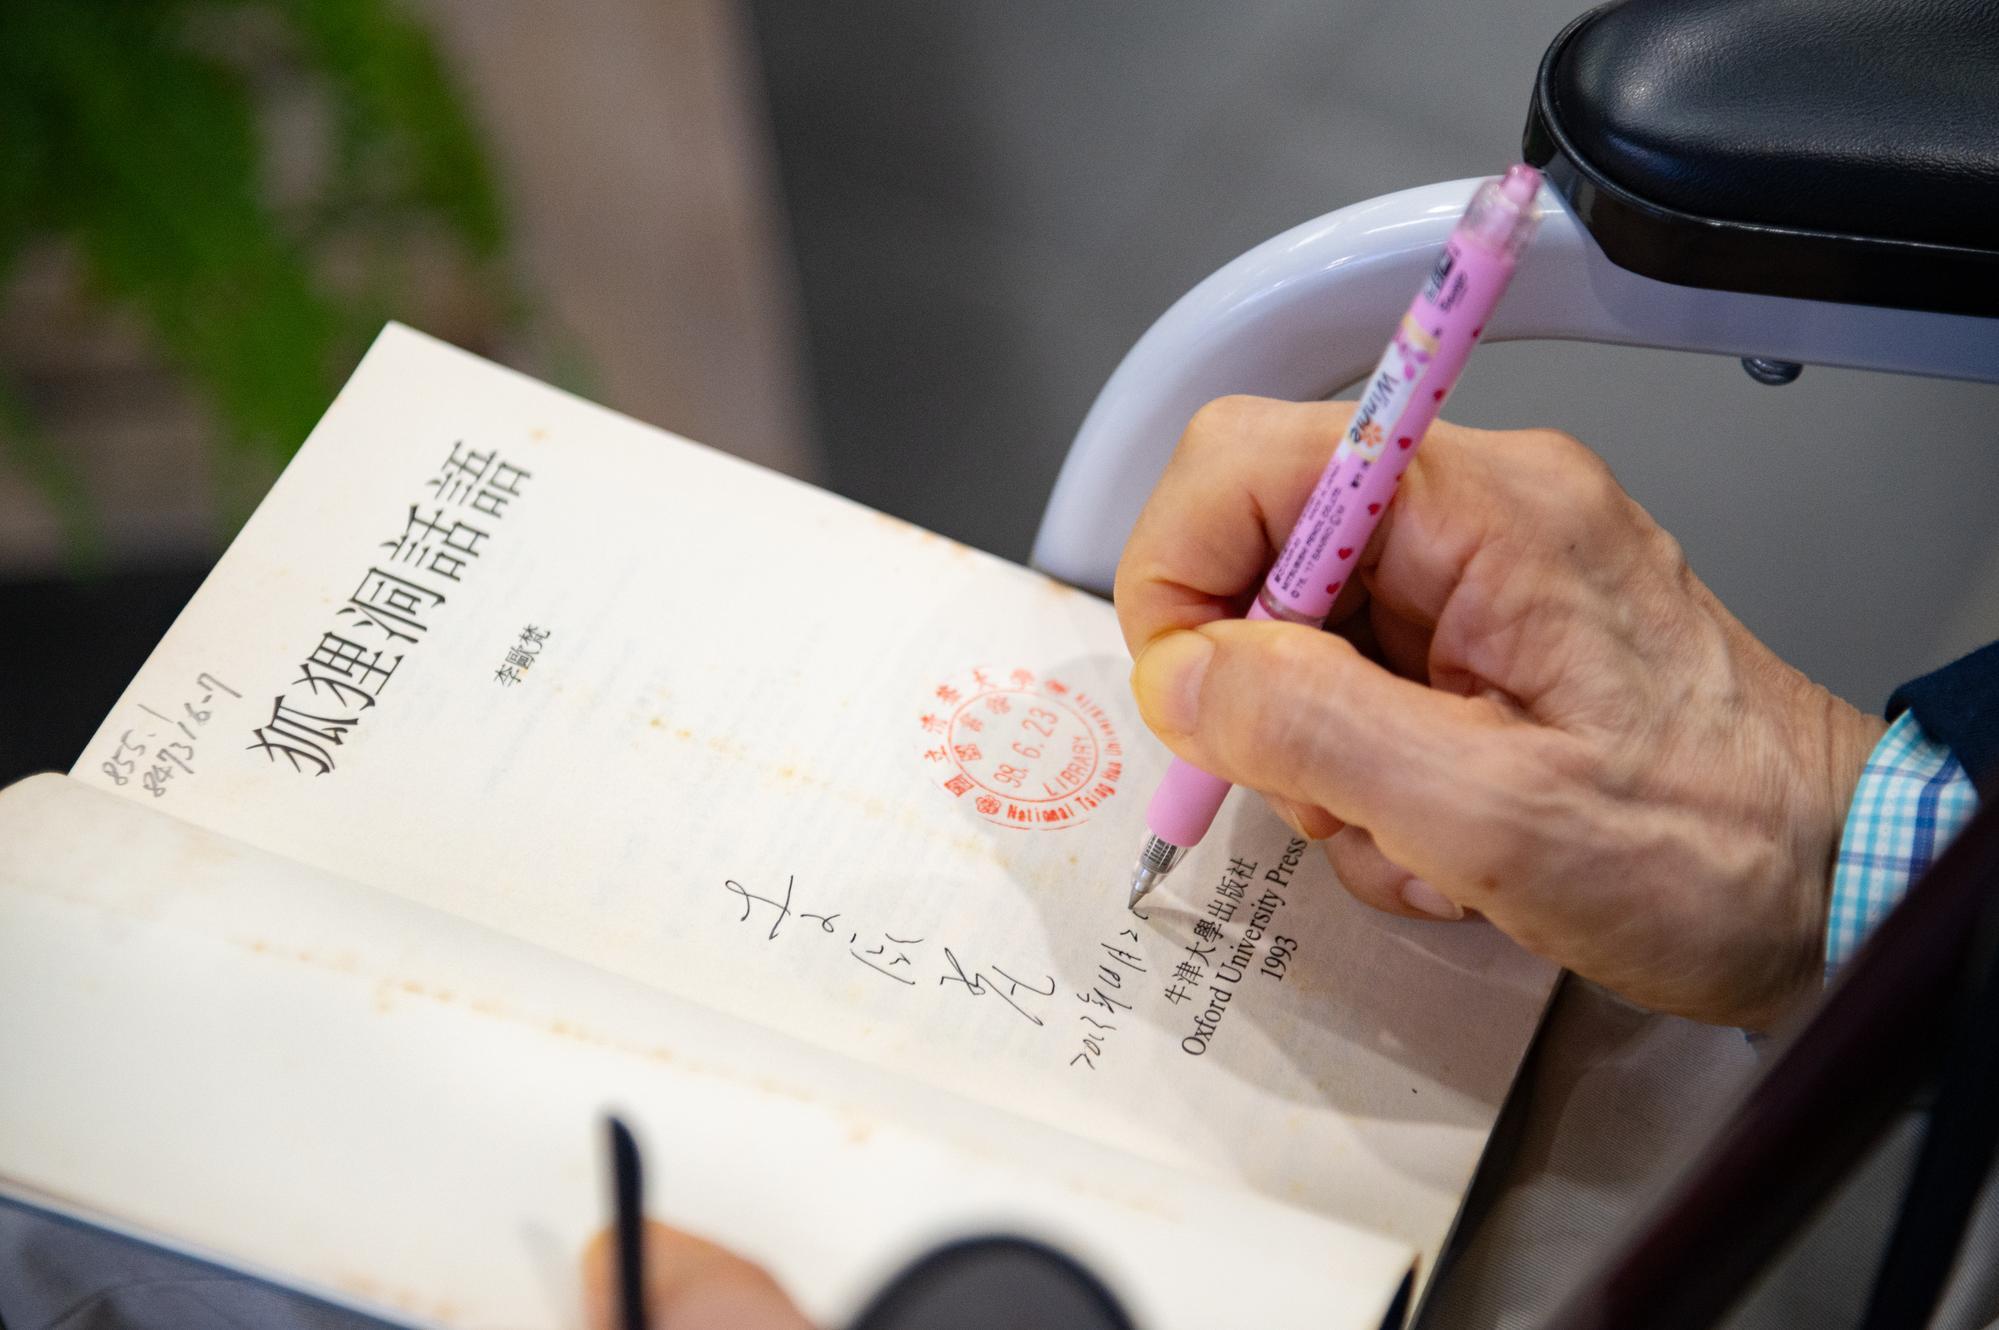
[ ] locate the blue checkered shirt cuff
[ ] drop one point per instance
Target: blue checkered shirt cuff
(1912, 798)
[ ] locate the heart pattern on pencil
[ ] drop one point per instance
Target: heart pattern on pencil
(1373, 508)
(1346, 551)
(1405, 442)
(1332, 588)
(1437, 396)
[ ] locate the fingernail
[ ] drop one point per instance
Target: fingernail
(1423, 898)
(1166, 679)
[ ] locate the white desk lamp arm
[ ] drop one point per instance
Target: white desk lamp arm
(1306, 313)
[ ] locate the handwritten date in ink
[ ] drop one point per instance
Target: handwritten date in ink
(1121, 961)
(166, 749)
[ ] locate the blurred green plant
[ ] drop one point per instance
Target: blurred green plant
(133, 130)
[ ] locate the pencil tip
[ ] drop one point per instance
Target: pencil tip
(1155, 861)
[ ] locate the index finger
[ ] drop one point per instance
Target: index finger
(1224, 506)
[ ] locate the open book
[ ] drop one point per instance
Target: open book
(519, 761)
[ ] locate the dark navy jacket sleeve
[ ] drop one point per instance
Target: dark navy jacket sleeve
(1958, 706)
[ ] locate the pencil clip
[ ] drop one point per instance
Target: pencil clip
(628, 1224)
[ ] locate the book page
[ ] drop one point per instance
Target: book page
(537, 666)
(347, 1092)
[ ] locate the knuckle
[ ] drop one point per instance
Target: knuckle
(1564, 460)
(1292, 648)
(1583, 503)
(1559, 444)
(1222, 420)
(1591, 486)
(1667, 553)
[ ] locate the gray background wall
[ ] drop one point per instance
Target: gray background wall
(989, 202)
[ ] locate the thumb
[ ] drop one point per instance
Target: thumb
(1296, 712)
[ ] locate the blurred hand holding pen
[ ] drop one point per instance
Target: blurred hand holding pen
(639, 1275)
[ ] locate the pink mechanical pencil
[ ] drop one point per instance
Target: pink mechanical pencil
(1417, 372)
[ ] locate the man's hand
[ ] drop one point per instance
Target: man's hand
(691, 1284)
(1548, 718)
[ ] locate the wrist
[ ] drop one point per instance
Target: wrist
(1830, 742)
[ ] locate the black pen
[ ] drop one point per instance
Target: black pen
(628, 1220)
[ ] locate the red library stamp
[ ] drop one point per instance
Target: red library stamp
(1023, 750)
